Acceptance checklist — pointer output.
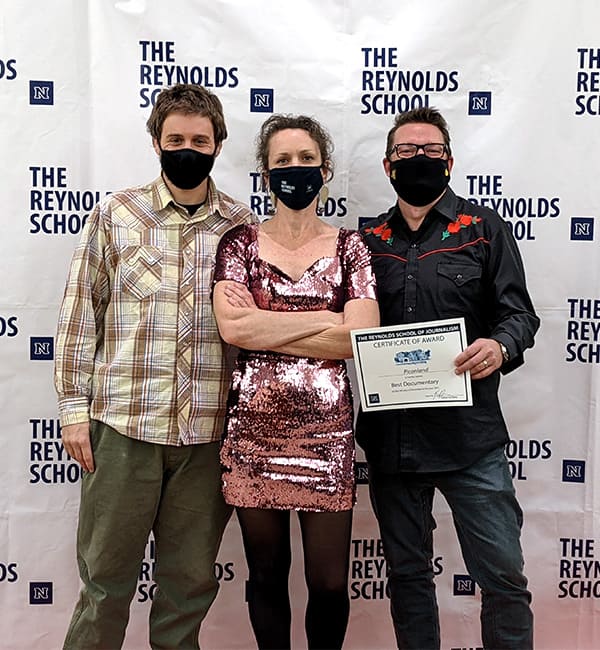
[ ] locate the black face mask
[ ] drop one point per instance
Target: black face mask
(419, 180)
(296, 187)
(186, 168)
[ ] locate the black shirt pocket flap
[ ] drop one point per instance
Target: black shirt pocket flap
(460, 273)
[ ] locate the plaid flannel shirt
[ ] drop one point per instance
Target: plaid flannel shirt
(136, 333)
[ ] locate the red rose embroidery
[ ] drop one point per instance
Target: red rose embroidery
(383, 231)
(462, 221)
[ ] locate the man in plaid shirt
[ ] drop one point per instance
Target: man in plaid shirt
(141, 377)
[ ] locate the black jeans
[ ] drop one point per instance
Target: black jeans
(488, 523)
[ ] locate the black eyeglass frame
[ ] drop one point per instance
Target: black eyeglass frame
(394, 149)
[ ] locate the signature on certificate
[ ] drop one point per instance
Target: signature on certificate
(442, 393)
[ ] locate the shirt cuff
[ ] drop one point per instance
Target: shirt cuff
(73, 410)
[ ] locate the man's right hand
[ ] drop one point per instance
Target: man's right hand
(76, 441)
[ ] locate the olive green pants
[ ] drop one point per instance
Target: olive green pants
(139, 487)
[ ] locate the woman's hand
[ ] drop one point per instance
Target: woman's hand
(238, 295)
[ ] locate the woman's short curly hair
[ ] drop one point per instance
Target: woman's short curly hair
(279, 122)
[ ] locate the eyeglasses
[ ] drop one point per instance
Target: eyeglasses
(409, 150)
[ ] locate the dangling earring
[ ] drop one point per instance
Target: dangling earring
(272, 209)
(323, 196)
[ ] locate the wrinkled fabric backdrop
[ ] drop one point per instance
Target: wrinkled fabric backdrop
(518, 81)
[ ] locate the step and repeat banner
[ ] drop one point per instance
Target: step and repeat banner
(519, 83)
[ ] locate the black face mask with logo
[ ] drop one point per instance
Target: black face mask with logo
(296, 187)
(419, 180)
(186, 168)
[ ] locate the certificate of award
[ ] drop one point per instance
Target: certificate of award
(411, 366)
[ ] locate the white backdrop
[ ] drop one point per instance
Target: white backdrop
(518, 81)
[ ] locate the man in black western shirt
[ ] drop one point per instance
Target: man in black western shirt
(438, 256)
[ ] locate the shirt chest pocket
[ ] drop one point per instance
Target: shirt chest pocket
(141, 270)
(458, 284)
(460, 274)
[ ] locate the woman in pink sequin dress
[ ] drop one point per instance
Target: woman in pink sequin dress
(287, 293)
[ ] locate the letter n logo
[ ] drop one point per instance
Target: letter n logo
(573, 471)
(582, 228)
(261, 100)
(41, 92)
(480, 103)
(464, 585)
(41, 348)
(40, 593)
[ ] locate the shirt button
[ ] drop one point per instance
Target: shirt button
(409, 309)
(413, 245)
(410, 276)
(459, 276)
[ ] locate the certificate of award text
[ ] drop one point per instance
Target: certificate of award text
(411, 366)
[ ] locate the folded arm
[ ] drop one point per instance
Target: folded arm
(335, 342)
(323, 334)
(241, 323)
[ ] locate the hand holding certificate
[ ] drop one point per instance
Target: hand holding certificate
(411, 365)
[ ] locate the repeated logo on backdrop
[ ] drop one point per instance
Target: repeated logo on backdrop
(583, 330)
(41, 593)
(41, 93)
(480, 103)
(262, 100)
(159, 69)
(55, 209)
(523, 214)
(8, 325)
(8, 69)
(587, 100)
(41, 348)
(8, 572)
(388, 87)
(368, 570)
(573, 471)
(582, 228)
(463, 585)
(49, 463)
(522, 454)
(578, 568)
(58, 205)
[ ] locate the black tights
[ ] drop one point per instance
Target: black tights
(326, 544)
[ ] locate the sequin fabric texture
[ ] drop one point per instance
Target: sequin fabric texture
(288, 441)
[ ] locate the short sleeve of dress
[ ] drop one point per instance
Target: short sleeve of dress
(231, 261)
(359, 280)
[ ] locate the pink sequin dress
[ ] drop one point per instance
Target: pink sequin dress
(288, 441)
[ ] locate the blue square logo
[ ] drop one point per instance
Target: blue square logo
(40, 593)
(573, 471)
(480, 103)
(582, 228)
(261, 100)
(361, 473)
(41, 92)
(41, 348)
(463, 585)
